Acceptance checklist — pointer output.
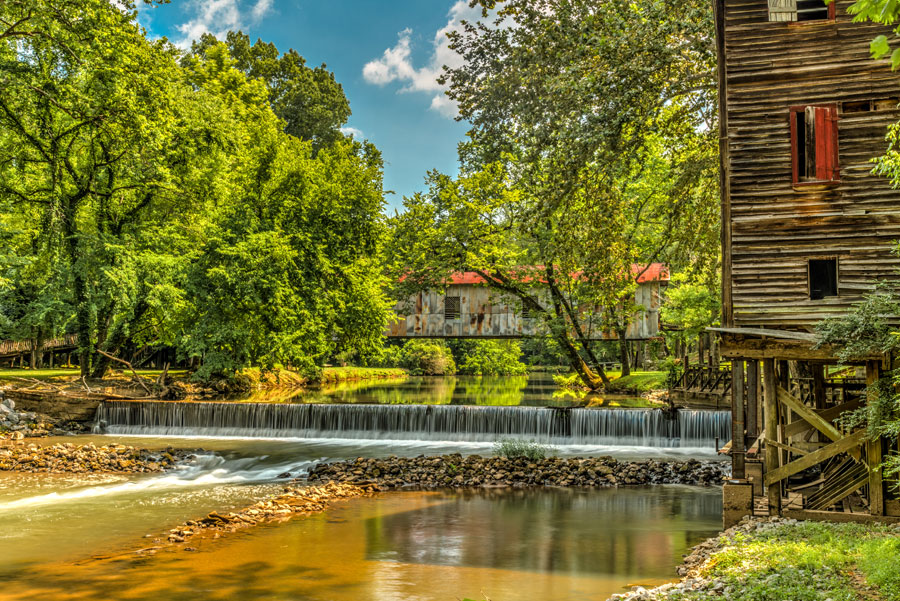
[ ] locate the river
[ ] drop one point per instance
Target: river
(74, 537)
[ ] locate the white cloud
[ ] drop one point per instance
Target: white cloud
(396, 64)
(220, 16)
(352, 131)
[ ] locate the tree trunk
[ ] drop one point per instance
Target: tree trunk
(623, 352)
(587, 375)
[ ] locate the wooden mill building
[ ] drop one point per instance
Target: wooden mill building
(808, 229)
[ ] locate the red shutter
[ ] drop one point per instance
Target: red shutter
(826, 143)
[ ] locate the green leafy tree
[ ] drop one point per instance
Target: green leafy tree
(428, 358)
(309, 100)
(590, 150)
(490, 358)
(690, 307)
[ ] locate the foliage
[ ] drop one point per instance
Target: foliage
(148, 201)
(689, 307)
(805, 561)
(428, 358)
(590, 150)
(489, 357)
(513, 448)
(310, 101)
(862, 332)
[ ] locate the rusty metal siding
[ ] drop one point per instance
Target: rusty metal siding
(484, 314)
(777, 227)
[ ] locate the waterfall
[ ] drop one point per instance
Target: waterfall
(613, 427)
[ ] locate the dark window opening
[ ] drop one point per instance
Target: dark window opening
(451, 307)
(823, 278)
(814, 144)
(865, 106)
(800, 10)
(861, 106)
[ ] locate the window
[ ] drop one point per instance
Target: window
(866, 106)
(451, 307)
(800, 10)
(823, 278)
(814, 144)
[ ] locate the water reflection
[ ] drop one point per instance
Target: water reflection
(550, 544)
(534, 390)
(630, 532)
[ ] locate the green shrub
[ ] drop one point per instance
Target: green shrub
(512, 448)
(492, 358)
(428, 358)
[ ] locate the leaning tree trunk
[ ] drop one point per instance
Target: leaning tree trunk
(623, 352)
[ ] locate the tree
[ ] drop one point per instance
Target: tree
(310, 101)
(591, 149)
(490, 358)
(98, 131)
(690, 307)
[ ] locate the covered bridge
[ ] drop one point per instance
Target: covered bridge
(467, 308)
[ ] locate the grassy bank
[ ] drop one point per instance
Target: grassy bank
(638, 382)
(72, 372)
(334, 375)
(803, 561)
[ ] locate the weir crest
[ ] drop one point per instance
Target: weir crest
(613, 427)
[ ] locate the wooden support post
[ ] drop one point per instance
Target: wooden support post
(818, 386)
(770, 398)
(873, 447)
(737, 420)
(753, 405)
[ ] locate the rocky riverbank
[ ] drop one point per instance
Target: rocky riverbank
(16, 424)
(80, 459)
(457, 471)
(292, 501)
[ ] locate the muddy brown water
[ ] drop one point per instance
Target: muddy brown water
(73, 538)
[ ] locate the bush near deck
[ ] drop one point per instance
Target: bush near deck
(806, 561)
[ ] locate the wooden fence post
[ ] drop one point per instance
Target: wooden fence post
(770, 398)
(737, 420)
(752, 400)
(873, 447)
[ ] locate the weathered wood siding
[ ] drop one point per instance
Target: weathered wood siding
(485, 314)
(775, 227)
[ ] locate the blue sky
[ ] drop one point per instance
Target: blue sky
(385, 54)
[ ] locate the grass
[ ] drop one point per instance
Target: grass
(638, 381)
(72, 372)
(807, 561)
(342, 374)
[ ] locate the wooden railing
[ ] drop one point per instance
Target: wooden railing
(21, 347)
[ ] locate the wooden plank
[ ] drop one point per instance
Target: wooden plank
(786, 447)
(873, 447)
(770, 398)
(808, 414)
(768, 333)
(737, 419)
(804, 463)
(828, 415)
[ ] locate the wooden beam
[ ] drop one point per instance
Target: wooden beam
(737, 419)
(786, 447)
(770, 398)
(753, 421)
(804, 463)
(873, 447)
(829, 415)
(810, 416)
(836, 516)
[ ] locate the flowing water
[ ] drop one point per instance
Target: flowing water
(68, 538)
(73, 537)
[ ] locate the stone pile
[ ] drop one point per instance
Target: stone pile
(20, 424)
(457, 471)
(291, 502)
(79, 459)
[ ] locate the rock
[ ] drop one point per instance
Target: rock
(9, 403)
